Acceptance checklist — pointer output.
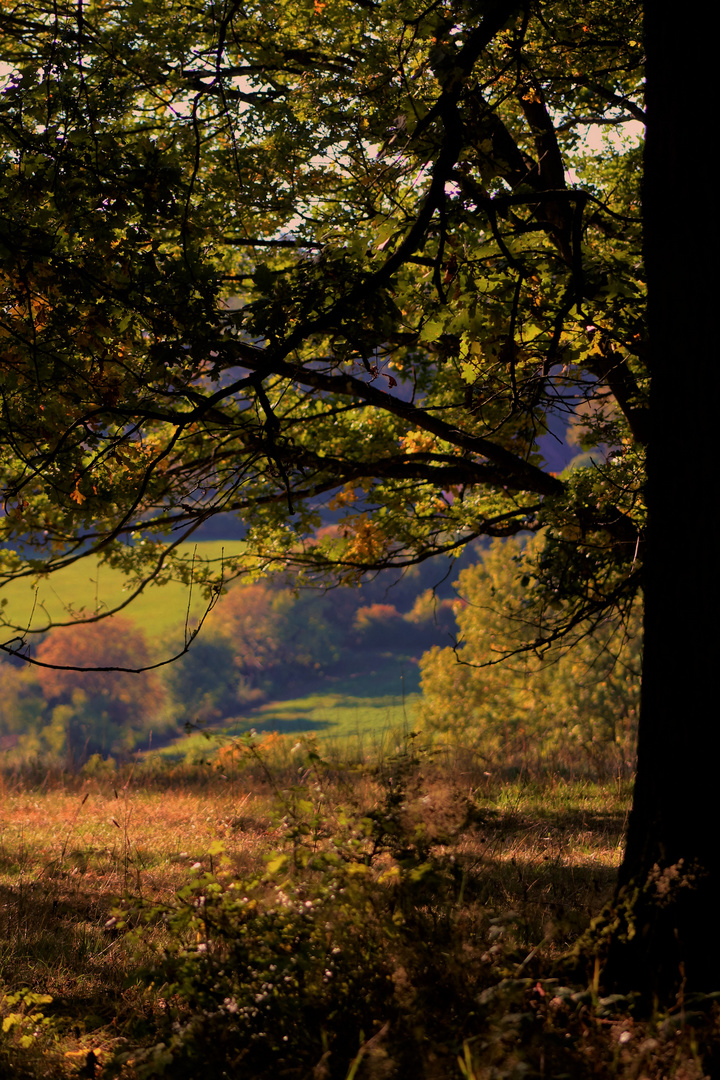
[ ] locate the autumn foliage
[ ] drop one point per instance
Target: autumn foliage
(114, 643)
(95, 710)
(516, 703)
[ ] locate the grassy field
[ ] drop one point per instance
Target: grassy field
(362, 726)
(160, 610)
(314, 895)
(452, 897)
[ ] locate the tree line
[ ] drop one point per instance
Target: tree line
(480, 686)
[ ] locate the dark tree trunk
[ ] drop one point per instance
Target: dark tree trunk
(673, 850)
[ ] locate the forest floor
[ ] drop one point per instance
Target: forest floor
(439, 915)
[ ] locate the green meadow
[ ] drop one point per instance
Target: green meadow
(366, 725)
(86, 587)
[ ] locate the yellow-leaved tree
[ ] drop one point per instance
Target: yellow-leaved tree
(563, 707)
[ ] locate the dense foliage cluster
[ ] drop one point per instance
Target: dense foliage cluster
(58, 711)
(514, 703)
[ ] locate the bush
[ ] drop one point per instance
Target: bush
(310, 964)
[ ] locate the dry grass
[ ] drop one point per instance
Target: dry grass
(545, 850)
(68, 853)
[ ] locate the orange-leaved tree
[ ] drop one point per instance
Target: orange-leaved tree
(271, 628)
(98, 709)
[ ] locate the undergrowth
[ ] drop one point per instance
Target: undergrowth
(391, 919)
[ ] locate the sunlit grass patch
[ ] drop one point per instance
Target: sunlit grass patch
(86, 587)
(360, 726)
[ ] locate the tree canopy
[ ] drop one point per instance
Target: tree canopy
(345, 270)
(350, 265)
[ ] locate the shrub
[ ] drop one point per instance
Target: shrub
(311, 963)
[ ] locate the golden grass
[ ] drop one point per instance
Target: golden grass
(101, 843)
(66, 856)
(546, 850)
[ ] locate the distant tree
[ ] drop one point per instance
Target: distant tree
(23, 709)
(379, 626)
(99, 711)
(207, 683)
(252, 620)
(271, 629)
(510, 701)
(431, 619)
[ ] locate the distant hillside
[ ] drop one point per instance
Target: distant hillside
(375, 633)
(160, 610)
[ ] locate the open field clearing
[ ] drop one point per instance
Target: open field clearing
(160, 610)
(361, 726)
(449, 898)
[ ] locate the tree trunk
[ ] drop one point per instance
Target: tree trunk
(673, 849)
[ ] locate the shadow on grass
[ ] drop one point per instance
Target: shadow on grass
(554, 875)
(283, 725)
